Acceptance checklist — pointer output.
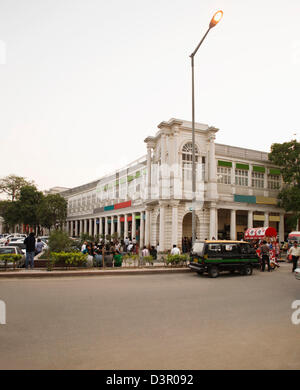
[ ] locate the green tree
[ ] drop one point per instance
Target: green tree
(52, 210)
(287, 156)
(29, 201)
(10, 212)
(59, 241)
(12, 184)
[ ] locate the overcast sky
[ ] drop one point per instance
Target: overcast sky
(84, 82)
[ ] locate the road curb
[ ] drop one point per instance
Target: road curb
(58, 274)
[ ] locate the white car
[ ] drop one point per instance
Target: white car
(5, 250)
(297, 273)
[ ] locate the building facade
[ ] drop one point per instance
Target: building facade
(151, 198)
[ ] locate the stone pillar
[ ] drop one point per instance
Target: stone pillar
(212, 159)
(162, 217)
(148, 172)
(91, 227)
(76, 229)
(95, 227)
(112, 228)
(85, 226)
(266, 223)
(148, 228)
(233, 225)
(106, 227)
(250, 219)
(175, 223)
(133, 233)
(142, 228)
(281, 227)
(101, 226)
(119, 226)
(125, 226)
(71, 228)
(212, 223)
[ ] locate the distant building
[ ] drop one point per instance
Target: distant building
(55, 190)
(151, 198)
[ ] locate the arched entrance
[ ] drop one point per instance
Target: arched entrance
(187, 231)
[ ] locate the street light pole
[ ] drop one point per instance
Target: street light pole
(215, 20)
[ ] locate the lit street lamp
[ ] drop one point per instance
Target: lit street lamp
(215, 20)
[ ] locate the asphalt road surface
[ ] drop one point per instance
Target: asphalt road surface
(181, 321)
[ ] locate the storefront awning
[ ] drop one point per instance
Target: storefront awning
(259, 233)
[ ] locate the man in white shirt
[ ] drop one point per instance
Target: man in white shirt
(145, 252)
(295, 252)
(175, 251)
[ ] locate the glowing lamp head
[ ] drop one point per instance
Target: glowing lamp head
(216, 19)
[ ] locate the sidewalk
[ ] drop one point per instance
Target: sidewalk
(43, 273)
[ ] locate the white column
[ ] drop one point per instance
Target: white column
(212, 159)
(281, 228)
(91, 227)
(250, 219)
(148, 228)
(149, 172)
(101, 226)
(162, 227)
(133, 226)
(80, 227)
(125, 226)
(106, 227)
(212, 223)
(119, 226)
(175, 224)
(142, 228)
(112, 228)
(266, 223)
(85, 226)
(95, 226)
(233, 225)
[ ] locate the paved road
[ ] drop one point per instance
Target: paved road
(178, 321)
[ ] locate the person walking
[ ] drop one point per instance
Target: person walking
(30, 250)
(294, 251)
(265, 256)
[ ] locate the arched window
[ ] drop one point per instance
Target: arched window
(187, 163)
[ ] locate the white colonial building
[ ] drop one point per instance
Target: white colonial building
(151, 199)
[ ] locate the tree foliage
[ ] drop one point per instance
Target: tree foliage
(29, 200)
(52, 210)
(287, 156)
(12, 184)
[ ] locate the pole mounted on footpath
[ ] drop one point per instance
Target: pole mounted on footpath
(215, 20)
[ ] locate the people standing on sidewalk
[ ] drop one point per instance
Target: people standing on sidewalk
(30, 250)
(294, 251)
(175, 250)
(145, 252)
(265, 256)
(39, 246)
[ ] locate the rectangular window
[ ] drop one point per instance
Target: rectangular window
(241, 177)
(273, 182)
(258, 180)
(224, 175)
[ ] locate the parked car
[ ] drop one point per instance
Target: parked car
(297, 273)
(20, 244)
(214, 257)
(12, 250)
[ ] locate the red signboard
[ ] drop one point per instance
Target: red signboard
(123, 205)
